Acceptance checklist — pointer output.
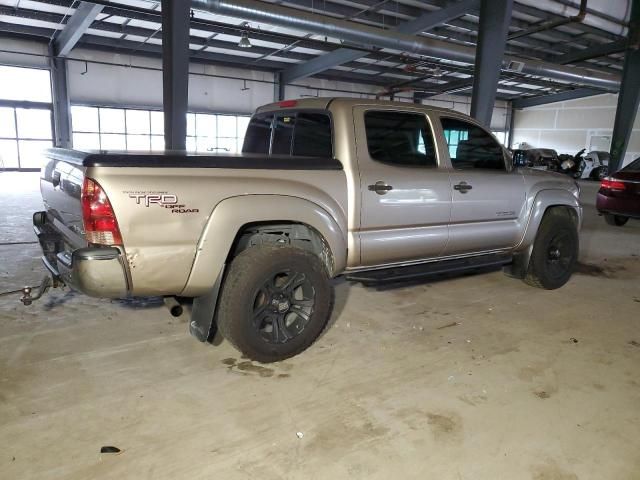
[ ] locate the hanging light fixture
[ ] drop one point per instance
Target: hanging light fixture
(244, 40)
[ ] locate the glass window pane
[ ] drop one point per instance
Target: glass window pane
(141, 143)
(138, 121)
(312, 135)
(282, 134)
(86, 141)
(157, 143)
(191, 124)
(227, 126)
(7, 122)
(191, 144)
(258, 134)
(206, 144)
(157, 123)
(31, 152)
(475, 148)
(8, 154)
(111, 120)
(84, 119)
(399, 138)
(243, 123)
(111, 141)
(34, 123)
(31, 84)
(227, 145)
(205, 125)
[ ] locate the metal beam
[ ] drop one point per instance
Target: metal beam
(593, 52)
(175, 72)
(61, 103)
(80, 21)
(555, 97)
(495, 16)
(345, 55)
(629, 96)
(278, 87)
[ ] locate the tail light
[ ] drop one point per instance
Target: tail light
(100, 224)
(610, 183)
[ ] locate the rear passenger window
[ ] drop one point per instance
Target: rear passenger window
(299, 133)
(471, 147)
(258, 136)
(400, 138)
(312, 135)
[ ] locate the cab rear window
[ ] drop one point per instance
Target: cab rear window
(290, 133)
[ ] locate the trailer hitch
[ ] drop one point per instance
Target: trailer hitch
(28, 297)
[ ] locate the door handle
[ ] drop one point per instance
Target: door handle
(380, 188)
(462, 187)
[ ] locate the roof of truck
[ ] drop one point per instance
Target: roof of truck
(323, 103)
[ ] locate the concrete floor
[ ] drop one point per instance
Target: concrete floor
(478, 377)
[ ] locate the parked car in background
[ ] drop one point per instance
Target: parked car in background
(536, 158)
(619, 195)
(594, 165)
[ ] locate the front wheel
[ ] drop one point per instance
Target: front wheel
(615, 220)
(275, 302)
(555, 251)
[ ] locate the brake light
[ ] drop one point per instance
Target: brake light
(612, 184)
(287, 103)
(100, 224)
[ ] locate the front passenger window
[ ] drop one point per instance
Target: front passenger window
(471, 147)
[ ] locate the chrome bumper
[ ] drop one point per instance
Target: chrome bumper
(97, 272)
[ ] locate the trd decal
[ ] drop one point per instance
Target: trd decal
(162, 199)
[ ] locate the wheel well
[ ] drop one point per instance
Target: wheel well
(563, 210)
(299, 235)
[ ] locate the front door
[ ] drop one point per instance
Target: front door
(405, 192)
(488, 201)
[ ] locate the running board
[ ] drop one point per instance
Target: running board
(423, 270)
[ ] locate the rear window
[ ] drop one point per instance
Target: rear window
(290, 133)
(633, 166)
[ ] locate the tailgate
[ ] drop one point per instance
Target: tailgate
(61, 187)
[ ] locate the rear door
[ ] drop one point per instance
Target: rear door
(488, 198)
(405, 192)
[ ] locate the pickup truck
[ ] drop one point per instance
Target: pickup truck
(373, 190)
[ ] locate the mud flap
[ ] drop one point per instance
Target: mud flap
(203, 325)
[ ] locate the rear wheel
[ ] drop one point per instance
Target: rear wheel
(275, 302)
(615, 220)
(555, 251)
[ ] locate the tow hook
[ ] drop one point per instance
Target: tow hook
(46, 283)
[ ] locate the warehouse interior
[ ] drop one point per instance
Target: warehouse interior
(460, 377)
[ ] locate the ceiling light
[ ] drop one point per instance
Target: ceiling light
(244, 41)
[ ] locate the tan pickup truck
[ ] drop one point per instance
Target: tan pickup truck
(373, 190)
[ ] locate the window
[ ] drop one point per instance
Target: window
(399, 138)
(24, 133)
(103, 128)
(25, 117)
(471, 147)
(299, 133)
(25, 84)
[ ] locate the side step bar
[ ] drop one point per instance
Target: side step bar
(423, 270)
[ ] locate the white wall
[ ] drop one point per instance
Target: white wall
(570, 126)
(104, 78)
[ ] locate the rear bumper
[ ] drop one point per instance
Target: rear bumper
(627, 207)
(94, 271)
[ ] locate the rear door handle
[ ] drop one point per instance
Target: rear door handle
(462, 187)
(380, 188)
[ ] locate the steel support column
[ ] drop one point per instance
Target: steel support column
(629, 96)
(278, 87)
(495, 16)
(61, 104)
(175, 72)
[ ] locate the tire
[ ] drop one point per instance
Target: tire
(275, 302)
(615, 220)
(603, 172)
(555, 251)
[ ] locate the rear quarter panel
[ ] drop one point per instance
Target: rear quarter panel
(161, 243)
